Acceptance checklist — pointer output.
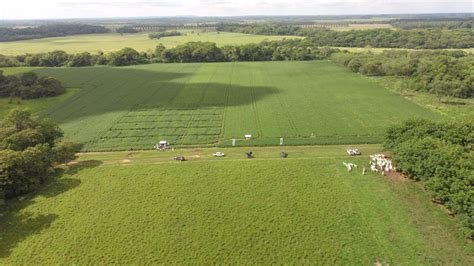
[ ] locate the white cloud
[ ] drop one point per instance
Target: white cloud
(33, 9)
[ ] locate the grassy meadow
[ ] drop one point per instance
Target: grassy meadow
(144, 208)
(448, 107)
(17, 70)
(94, 43)
(210, 104)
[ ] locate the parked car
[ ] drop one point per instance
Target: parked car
(353, 152)
(179, 158)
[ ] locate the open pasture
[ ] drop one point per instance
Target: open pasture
(210, 104)
(144, 208)
(94, 43)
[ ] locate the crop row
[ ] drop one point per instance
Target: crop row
(147, 142)
(161, 132)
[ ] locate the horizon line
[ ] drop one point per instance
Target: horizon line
(235, 16)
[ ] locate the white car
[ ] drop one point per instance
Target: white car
(353, 152)
(218, 154)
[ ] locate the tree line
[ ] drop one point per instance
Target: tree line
(45, 31)
(126, 29)
(439, 155)
(162, 34)
(444, 73)
(189, 52)
(29, 149)
(263, 29)
(265, 51)
(424, 24)
(29, 86)
(382, 38)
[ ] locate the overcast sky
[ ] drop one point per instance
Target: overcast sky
(36, 9)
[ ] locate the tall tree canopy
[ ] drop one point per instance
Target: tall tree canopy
(29, 148)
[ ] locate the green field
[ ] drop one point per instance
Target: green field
(144, 208)
(17, 70)
(210, 104)
(112, 42)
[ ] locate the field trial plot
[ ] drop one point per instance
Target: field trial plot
(210, 104)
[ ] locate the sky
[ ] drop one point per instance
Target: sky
(54, 9)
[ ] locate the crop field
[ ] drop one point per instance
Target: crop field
(143, 208)
(112, 42)
(211, 104)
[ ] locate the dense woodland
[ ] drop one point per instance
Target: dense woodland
(383, 38)
(433, 24)
(263, 29)
(29, 86)
(439, 155)
(45, 31)
(29, 148)
(444, 73)
(386, 38)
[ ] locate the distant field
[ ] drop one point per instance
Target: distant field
(113, 42)
(362, 26)
(210, 104)
(144, 208)
(17, 70)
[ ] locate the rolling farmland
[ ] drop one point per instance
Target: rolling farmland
(140, 207)
(94, 43)
(210, 104)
